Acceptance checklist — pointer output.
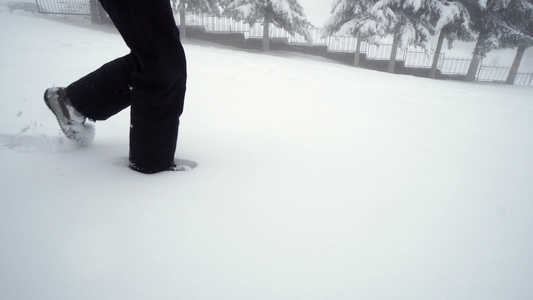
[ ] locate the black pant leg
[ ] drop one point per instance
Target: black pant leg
(158, 79)
(104, 92)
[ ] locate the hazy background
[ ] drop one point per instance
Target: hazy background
(317, 11)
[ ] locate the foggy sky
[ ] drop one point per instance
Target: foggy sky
(317, 11)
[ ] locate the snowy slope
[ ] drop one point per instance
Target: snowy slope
(315, 181)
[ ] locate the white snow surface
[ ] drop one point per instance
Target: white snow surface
(315, 180)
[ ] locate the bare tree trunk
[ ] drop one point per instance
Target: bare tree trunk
(357, 55)
(516, 64)
(474, 64)
(433, 72)
(266, 35)
(183, 26)
(392, 60)
(473, 68)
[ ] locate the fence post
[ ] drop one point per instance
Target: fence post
(95, 17)
(98, 14)
(183, 25)
(392, 59)
(357, 55)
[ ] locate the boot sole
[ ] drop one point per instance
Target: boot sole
(65, 128)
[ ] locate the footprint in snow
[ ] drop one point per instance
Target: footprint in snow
(24, 143)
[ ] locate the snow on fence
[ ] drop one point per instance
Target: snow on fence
(70, 7)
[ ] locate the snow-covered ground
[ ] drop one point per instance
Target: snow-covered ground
(315, 181)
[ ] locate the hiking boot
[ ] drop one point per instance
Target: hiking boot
(71, 121)
(176, 165)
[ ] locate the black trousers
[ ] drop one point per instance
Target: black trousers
(151, 79)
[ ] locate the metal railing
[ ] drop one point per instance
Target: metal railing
(420, 59)
(493, 73)
(67, 7)
(525, 79)
(455, 66)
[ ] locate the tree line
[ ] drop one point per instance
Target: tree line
(491, 24)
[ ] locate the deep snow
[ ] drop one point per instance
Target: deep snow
(315, 181)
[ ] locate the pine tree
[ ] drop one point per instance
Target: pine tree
(286, 14)
(196, 6)
(496, 30)
(454, 21)
(410, 22)
(520, 14)
(353, 17)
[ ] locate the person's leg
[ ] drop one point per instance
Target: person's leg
(158, 80)
(104, 92)
(97, 96)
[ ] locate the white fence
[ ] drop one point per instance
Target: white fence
(70, 7)
(523, 78)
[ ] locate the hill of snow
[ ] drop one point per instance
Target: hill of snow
(315, 181)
